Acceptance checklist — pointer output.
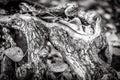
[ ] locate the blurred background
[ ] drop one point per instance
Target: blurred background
(108, 9)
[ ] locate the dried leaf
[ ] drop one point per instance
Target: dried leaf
(14, 53)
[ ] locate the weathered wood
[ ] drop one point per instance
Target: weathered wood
(81, 54)
(81, 59)
(36, 34)
(78, 48)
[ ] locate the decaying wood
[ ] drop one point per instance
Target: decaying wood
(78, 48)
(36, 35)
(76, 55)
(61, 39)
